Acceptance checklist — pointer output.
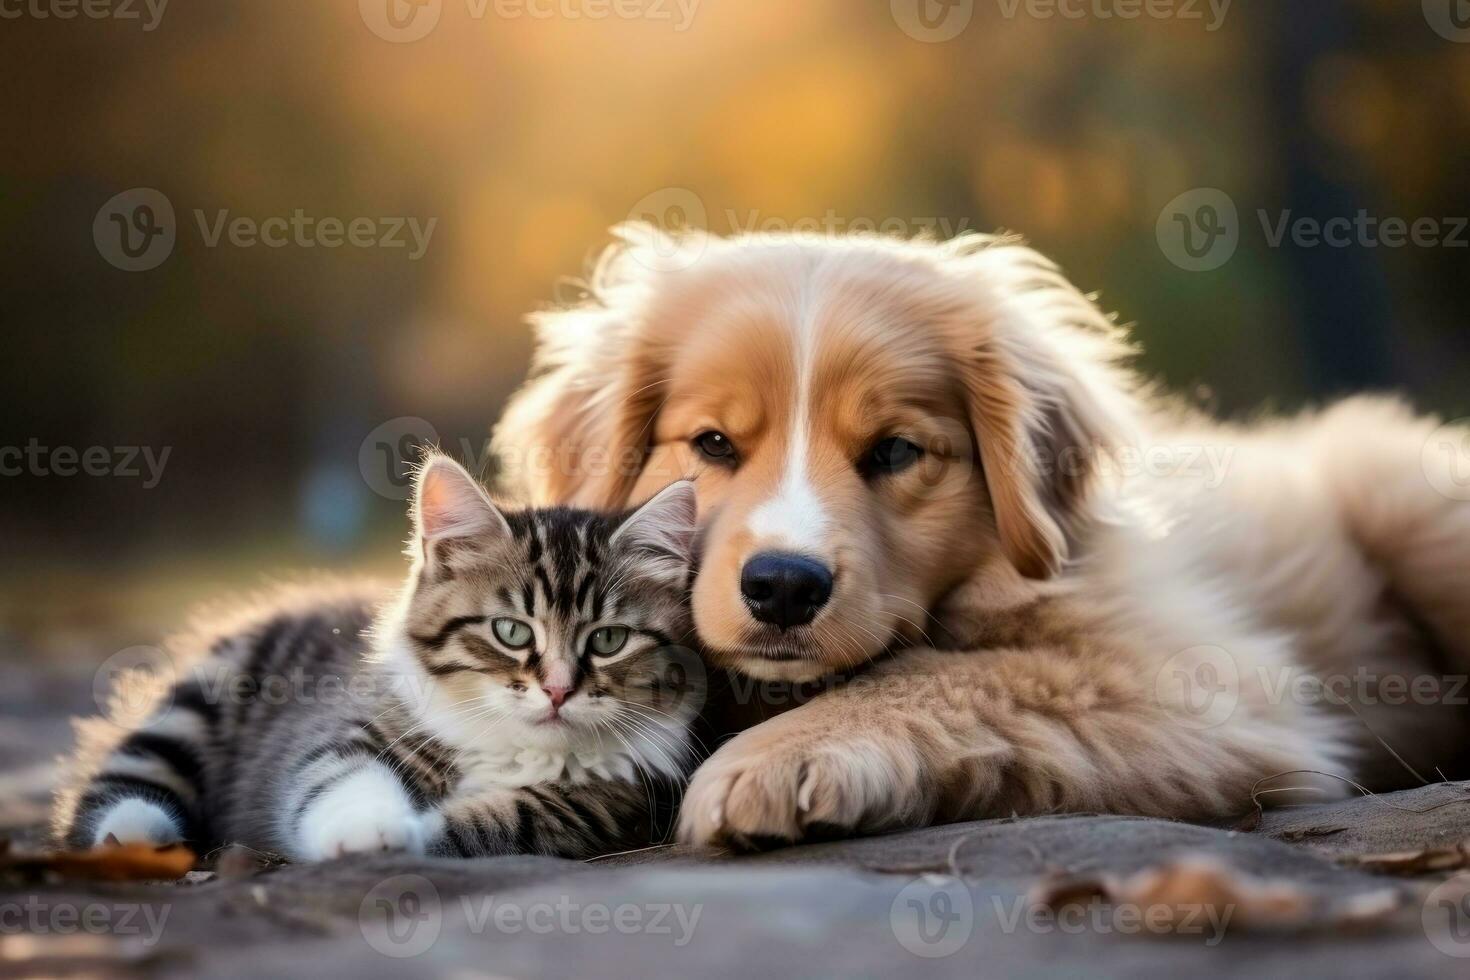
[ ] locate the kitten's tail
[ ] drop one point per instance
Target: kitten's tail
(146, 783)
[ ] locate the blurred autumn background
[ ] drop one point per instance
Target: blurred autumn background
(521, 131)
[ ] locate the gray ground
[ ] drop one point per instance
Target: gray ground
(959, 901)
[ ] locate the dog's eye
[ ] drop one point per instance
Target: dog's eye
(715, 445)
(892, 455)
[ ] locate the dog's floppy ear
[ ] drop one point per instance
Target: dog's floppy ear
(579, 431)
(1047, 397)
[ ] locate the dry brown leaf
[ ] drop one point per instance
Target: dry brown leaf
(239, 861)
(127, 862)
(1174, 894)
(75, 954)
(1426, 861)
(1054, 893)
(1189, 884)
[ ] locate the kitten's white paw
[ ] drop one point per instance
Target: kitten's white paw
(136, 822)
(366, 812)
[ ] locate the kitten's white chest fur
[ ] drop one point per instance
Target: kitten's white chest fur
(512, 760)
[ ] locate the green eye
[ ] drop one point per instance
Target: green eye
(512, 632)
(607, 640)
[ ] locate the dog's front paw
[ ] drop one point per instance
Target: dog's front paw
(770, 788)
(360, 815)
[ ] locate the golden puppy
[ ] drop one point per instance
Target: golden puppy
(923, 469)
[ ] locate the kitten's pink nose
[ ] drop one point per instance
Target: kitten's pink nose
(556, 694)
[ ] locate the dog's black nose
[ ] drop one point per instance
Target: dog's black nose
(785, 590)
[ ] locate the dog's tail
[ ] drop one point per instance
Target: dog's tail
(1402, 483)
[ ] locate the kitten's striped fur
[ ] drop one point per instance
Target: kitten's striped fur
(331, 723)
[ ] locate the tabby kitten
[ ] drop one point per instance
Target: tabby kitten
(523, 693)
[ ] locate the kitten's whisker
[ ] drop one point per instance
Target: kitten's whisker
(621, 728)
(453, 712)
(638, 708)
(637, 768)
(673, 754)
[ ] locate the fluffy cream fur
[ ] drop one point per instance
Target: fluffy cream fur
(1082, 598)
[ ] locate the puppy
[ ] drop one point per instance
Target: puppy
(926, 471)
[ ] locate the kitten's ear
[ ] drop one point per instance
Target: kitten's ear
(449, 504)
(664, 525)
